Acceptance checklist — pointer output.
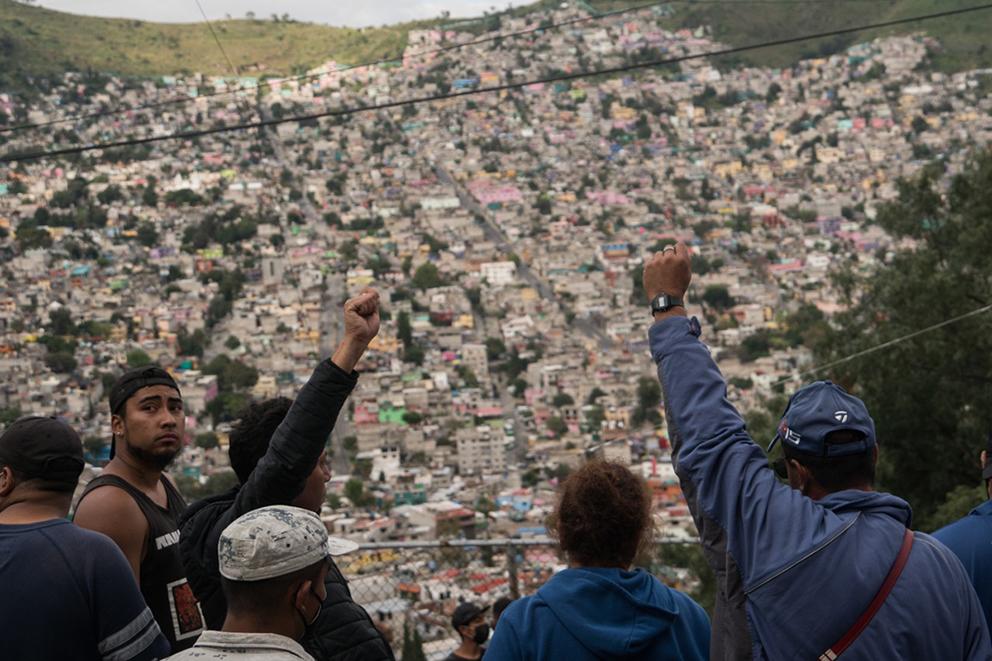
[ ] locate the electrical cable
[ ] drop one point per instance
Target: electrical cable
(187, 135)
(883, 345)
(313, 76)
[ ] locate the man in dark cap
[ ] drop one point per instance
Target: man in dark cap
(68, 593)
(469, 622)
(820, 566)
(136, 504)
(970, 539)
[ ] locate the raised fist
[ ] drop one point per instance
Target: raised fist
(361, 317)
(668, 272)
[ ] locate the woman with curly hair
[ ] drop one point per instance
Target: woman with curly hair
(600, 608)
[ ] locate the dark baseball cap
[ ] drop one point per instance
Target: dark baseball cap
(43, 448)
(134, 380)
(465, 613)
(819, 409)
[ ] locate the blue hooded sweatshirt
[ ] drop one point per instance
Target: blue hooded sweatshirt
(593, 613)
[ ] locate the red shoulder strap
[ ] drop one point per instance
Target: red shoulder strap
(883, 592)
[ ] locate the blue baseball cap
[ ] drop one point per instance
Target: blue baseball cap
(818, 409)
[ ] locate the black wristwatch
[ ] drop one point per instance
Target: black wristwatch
(664, 303)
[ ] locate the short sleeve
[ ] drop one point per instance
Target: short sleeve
(125, 626)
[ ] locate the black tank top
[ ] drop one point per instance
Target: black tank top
(163, 578)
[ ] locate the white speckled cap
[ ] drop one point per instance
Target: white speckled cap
(275, 541)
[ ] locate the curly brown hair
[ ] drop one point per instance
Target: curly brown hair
(603, 515)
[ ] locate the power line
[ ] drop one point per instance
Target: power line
(883, 345)
(187, 135)
(444, 49)
(213, 33)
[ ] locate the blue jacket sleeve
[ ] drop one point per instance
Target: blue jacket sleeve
(728, 474)
(125, 626)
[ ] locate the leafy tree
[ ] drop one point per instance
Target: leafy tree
(61, 362)
(495, 348)
(648, 400)
(518, 386)
(467, 376)
(138, 358)
(232, 342)
(427, 277)
(354, 491)
(562, 399)
(404, 331)
(60, 322)
(147, 235)
(8, 415)
(207, 440)
(929, 395)
(227, 406)
(595, 415)
(232, 375)
(191, 345)
(557, 426)
(414, 354)
(412, 418)
(718, 297)
(595, 395)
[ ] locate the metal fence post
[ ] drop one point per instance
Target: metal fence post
(511, 566)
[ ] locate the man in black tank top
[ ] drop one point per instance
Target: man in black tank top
(141, 511)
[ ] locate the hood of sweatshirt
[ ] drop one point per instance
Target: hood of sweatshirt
(611, 612)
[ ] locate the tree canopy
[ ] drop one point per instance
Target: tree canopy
(929, 395)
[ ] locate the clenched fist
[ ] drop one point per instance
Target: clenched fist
(668, 272)
(361, 316)
(361, 324)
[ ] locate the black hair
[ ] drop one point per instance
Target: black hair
(500, 605)
(250, 437)
(268, 595)
(851, 471)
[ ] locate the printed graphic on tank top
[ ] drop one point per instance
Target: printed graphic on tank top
(163, 578)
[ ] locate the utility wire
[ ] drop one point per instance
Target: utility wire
(213, 33)
(444, 49)
(883, 345)
(187, 135)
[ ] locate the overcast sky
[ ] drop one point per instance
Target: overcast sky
(355, 13)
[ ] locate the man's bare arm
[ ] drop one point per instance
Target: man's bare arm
(114, 513)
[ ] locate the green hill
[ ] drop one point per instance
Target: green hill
(39, 41)
(34, 40)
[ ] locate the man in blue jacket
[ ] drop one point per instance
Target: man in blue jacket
(971, 540)
(799, 565)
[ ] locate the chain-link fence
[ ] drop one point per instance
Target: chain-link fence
(417, 585)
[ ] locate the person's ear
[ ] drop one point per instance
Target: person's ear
(117, 425)
(985, 459)
(798, 475)
(6, 481)
(301, 595)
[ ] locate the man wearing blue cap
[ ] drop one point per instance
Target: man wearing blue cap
(823, 566)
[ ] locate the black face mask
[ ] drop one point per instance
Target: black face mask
(481, 634)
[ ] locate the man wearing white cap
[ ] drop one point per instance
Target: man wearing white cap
(273, 562)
